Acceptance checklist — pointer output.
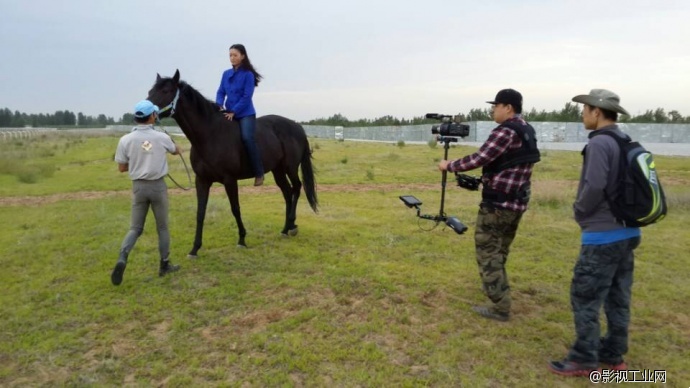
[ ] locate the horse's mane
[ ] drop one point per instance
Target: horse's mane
(197, 99)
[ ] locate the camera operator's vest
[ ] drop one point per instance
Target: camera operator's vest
(527, 153)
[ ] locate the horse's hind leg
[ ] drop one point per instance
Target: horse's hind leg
(202, 192)
(284, 185)
(295, 193)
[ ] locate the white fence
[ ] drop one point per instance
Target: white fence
(547, 132)
(22, 133)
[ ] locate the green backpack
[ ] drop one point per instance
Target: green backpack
(639, 198)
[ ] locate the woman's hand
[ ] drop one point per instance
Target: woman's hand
(229, 115)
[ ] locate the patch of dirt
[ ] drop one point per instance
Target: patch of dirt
(244, 191)
(257, 321)
(160, 331)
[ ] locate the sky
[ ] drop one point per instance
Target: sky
(358, 58)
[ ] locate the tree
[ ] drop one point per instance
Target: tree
(675, 117)
(477, 114)
(646, 117)
(102, 120)
(69, 118)
(660, 116)
(18, 120)
(5, 118)
(570, 112)
(127, 118)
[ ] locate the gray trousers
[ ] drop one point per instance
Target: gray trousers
(603, 275)
(147, 194)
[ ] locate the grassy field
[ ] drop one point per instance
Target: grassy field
(363, 296)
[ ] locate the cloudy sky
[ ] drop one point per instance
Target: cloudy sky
(360, 58)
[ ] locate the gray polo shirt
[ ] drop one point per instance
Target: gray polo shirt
(144, 149)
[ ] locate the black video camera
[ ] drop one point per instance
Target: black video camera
(468, 182)
(450, 125)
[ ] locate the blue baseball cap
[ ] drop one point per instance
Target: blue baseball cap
(144, 108)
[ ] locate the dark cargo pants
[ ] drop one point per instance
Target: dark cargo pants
(603, 274)
(493, 235)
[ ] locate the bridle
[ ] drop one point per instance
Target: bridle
(173, 104)
(171, 107)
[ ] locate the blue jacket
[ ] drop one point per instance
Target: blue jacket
(235, 92)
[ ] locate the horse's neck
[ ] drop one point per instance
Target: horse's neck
(195, 126)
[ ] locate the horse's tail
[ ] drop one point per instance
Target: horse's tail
(308, 182)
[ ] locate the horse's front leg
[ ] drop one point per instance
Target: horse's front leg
(202, 191)
(233, 195)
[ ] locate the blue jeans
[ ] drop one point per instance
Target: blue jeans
(603, 275)
(248, 128)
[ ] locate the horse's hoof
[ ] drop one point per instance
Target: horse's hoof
(284, 235)
(241, 246)
(190, 256)
(293, 232)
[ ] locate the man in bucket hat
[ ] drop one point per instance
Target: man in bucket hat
(142, 153)
(603, 273)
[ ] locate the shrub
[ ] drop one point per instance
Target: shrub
(28, 175)
(46, 170)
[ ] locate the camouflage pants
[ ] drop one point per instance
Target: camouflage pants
(493, 235)
(603, 275)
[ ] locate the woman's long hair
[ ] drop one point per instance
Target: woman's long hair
(246, 63)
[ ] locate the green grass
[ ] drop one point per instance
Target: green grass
(361, 297)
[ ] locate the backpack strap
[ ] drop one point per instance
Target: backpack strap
(620, 137)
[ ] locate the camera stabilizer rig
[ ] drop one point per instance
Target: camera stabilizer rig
(447, 132)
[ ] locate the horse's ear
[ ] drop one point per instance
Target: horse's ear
(176, 77)
(158, 78)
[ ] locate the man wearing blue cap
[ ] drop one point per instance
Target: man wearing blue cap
(142, 153)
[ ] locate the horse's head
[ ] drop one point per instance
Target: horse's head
(165, 93)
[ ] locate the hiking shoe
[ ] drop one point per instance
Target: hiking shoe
(610, 360)
(614, 363)
(486, 312)
(571, 368)
(118, 271)
(168, 268)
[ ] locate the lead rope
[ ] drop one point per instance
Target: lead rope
(189, 176)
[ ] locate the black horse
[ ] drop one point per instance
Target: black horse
(217, 153)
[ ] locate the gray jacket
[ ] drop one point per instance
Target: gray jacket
(598, 177)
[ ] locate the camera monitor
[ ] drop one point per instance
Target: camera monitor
(410, 201)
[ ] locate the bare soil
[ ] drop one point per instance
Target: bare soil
(244, 190)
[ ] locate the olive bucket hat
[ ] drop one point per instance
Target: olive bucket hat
(602, 98)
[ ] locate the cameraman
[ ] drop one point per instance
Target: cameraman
(506, 158)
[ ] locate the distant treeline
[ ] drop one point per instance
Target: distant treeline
(63, 118)
(570, 113)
